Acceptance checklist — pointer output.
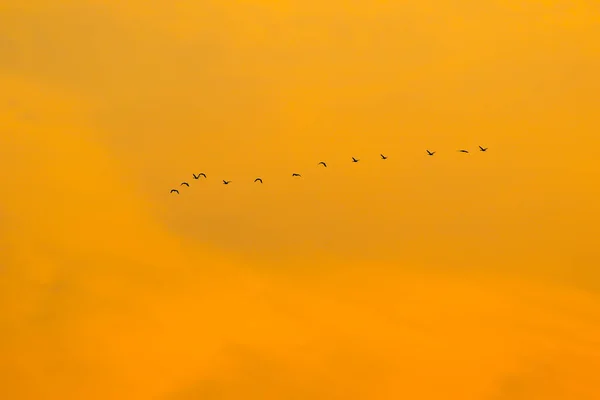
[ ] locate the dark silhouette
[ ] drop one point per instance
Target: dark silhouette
(323, 163)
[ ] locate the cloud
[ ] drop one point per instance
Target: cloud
(111, 288)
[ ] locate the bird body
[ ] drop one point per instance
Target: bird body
(185, 183)
(463, 151)
(199, 175)
(482, 148)
(383, 157)
(323, 164)
(294, 174)
(430, 153)
(226, 182)
(174, 191)
(258, 180)
(355, 159)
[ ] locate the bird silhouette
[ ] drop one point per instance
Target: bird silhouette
(258, 180)
(226, 182)
(199, 175)
(323, 163)
(482, 148)
(383, 157)
(463, 151)
(294, 174)
(355, 160)
(430, 153)
(185, 183)
(174, 191)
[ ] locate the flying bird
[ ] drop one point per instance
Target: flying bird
(482, 148)
(185, 183)
(199, 175)
(174, 191)
(323, 164)
(430, 153)
(258, 180)
(226, 182)
(463, 151)
(294, 174)
(383, 157)
(355, 160)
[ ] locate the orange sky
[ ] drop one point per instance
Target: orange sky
(447, 277)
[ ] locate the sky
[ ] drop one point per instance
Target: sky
(457, 276)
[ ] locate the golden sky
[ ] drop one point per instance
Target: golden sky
(448, 277)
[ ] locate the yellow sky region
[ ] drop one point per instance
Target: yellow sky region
(454, 276)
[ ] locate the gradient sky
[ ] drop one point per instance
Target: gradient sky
(454, 276)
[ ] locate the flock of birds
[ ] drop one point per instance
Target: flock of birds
(323, 163)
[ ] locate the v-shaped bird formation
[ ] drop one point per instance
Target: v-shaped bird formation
(321, 163)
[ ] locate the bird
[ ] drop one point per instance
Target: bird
(430, 153)
(355, 160)
(199, 175)
(174, 191)
(226, 182)
(185, 183)
(482, 148)
(463, 151)
(258, 180)
(294, 174)
(383, 157)
(323, 163)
